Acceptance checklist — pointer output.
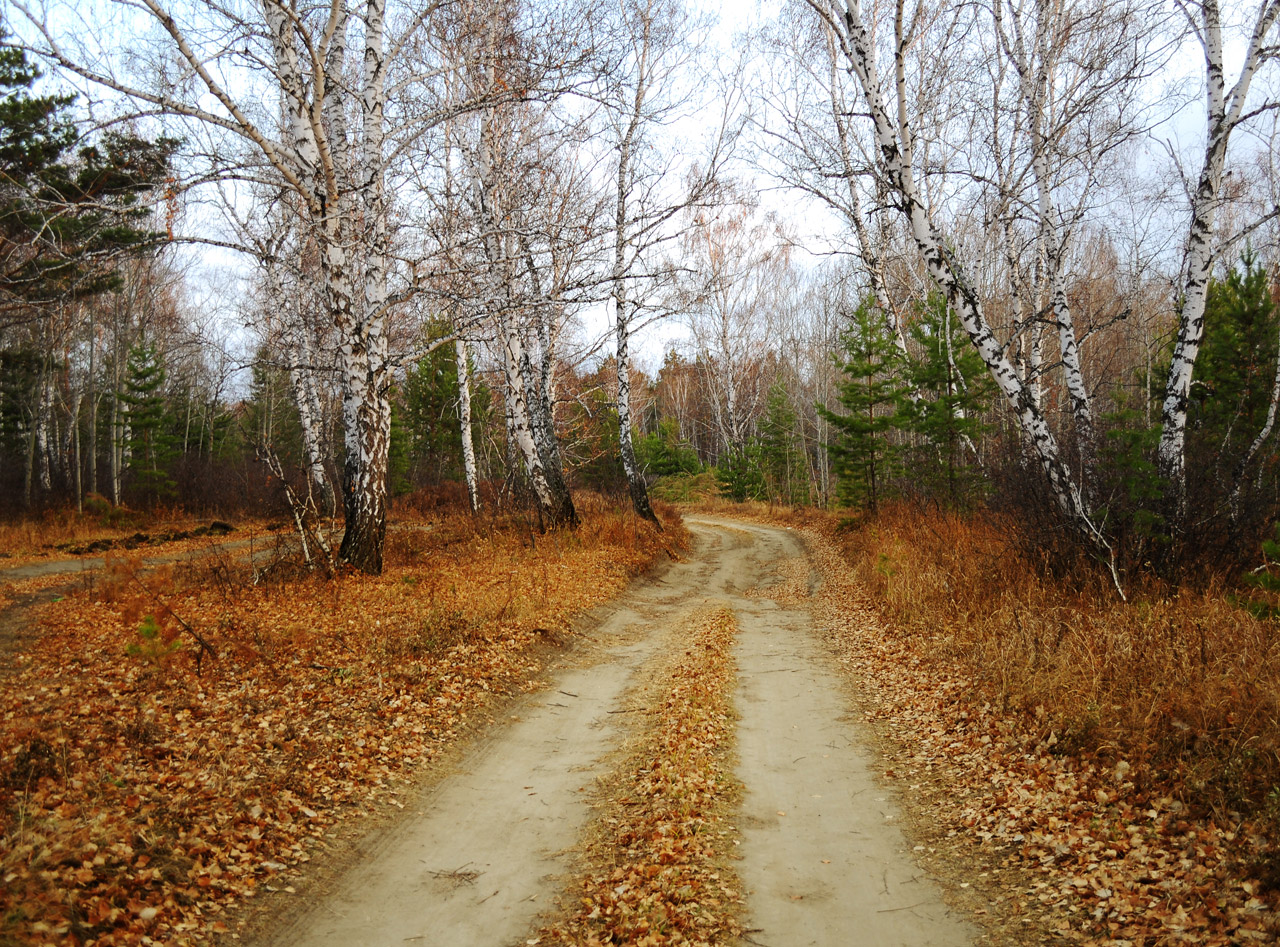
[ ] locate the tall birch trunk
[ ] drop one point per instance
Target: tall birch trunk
(635, 477)
(525, 407)
(859, 53)
(636, 485)
(463, 357)
(1223, 112)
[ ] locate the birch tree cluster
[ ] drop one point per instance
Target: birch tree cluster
(1018, 252)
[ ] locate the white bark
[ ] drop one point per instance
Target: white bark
(859, 53)
(463, 358)
(1224, 110)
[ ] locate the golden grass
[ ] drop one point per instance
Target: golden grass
(1181, 683)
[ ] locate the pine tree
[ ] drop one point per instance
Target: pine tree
(953, 390)
(430, 417)
(151, 444)
(782, 450)
(863, 450)
(66, 215)
(662, 453)
(739, 473)
(1235, 373)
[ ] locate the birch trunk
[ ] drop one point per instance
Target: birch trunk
(93, 400)
(525, 406)
(1223, 111)
(307, 401)
(636, 485)
(1036, 79)
(463, 357)
(963, 299)
(520, 427)
(41, 439)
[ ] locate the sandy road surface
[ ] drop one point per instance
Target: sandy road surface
(474, 861)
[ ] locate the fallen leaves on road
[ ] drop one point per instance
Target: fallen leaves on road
(1065, 846)
(145, 787)
(657, 871)
(1081, 854)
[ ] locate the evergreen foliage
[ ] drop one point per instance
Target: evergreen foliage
(150, 443)
(430, 419)
(270, 413)
(66, 213)
(953, 391)
(782, 454)
(19, 374)
(1131, 487)
(740, 473)
(661, 452)
(863, 450)
(1235, 373)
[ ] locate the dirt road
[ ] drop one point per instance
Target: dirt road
(478, 858)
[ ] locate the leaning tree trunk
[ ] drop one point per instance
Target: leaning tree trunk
(1224, 110)
(860, 57)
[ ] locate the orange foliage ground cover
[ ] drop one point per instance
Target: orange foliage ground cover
(147, 785)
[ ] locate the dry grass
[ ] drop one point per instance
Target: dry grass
(59, 532)
(1182, 684)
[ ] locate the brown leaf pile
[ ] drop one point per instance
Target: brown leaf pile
(147, 785)
(658, 874)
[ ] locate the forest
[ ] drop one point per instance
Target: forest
(983, 298)
(1037, 273)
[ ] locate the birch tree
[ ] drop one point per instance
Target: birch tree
(1225, 112)
(653, 83)
(736, 257)
(297, 98)
(895, 150)
(521, 194)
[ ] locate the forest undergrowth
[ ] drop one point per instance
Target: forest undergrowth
(1114, 765)
(177, 739)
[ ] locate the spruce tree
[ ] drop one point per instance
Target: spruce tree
(782, 450)
(1235, 373)
(662, 453)
(430, 417)
(863, 449)
(151, 444)
(953, 390)
(739, 473)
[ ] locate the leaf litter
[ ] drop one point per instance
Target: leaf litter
(147, 789)
(657, 866)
